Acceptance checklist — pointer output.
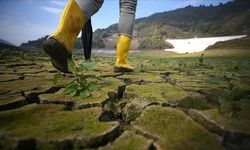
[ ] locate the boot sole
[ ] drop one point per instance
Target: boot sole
(122, 70)
(58, 54)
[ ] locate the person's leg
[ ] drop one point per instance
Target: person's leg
(126, 25)
(60, 44)
(87, 34)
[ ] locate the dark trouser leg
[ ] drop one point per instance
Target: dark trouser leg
(87, 34)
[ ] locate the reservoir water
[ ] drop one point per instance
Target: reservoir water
(197, 44)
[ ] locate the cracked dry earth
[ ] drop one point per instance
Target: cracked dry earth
(157, 108)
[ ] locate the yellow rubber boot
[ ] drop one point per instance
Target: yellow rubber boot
(71, 22)
(60, 44)
(123, 45)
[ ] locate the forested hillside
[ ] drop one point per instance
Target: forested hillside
(232, 18)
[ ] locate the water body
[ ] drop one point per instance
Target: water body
(197, 44)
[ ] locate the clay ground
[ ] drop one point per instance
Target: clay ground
(170, 102)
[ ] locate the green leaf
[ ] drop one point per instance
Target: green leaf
(70, 88)
(72, 83)
(92, 86)
(71, 66)
(73, 93)
(88, 65)
(84, 94)
(67, 91)
(83, 80)
(57, 77)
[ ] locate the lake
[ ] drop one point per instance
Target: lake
(197, 44)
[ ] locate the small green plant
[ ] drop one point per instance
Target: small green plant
(201, 60)
(141, 66)
(180, 63)
(228, 107)
(82, 85)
